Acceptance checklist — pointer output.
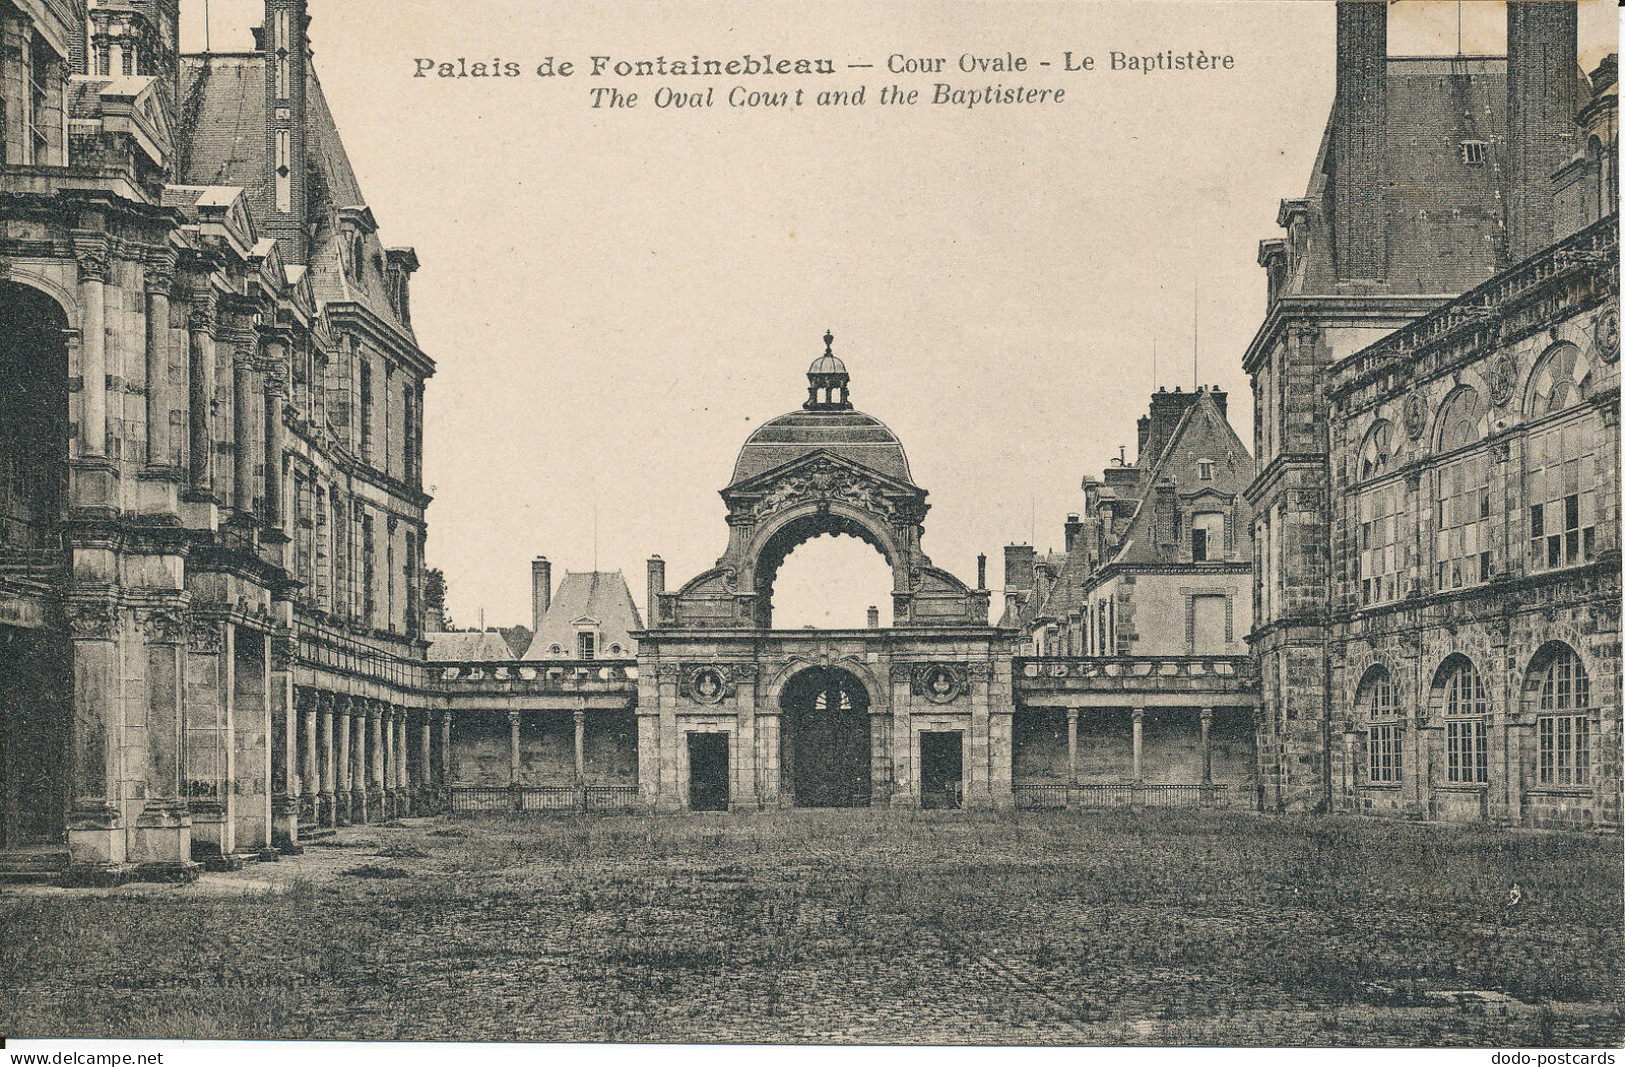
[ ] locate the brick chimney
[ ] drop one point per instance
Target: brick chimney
(285, 41)
(541, 591)
(1360, 141)
(1542, 61)
(1018, 566)
(1158, 426)
(874, 617)
(1074, 531)
(656, 586)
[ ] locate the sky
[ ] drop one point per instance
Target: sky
(615, 298)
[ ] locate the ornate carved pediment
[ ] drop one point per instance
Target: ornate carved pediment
(821, 478)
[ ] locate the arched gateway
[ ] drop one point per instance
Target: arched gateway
(729, 707)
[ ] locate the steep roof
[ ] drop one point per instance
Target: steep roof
(477, 646)
(1202, 432)
(594, 600)
(222, 141)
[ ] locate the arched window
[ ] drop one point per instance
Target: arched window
(1561, 379)
(1459, 697)
(1557, 693)
(1383, 727)
(1462, 420)
(1375, 449)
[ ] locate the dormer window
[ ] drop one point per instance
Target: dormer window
(1204, 469)
(1474, 153)
(586, 645)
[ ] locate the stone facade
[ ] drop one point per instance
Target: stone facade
(212, 532)
(1436, 530)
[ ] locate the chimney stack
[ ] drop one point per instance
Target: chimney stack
(1018, 566)
(541, 591)
(1542, 74)
(981, 570)
(657, 585)
(1361, 140)
(874, 617)
(1074, 531)
(284, 39)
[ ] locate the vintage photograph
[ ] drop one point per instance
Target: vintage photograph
(961, 522)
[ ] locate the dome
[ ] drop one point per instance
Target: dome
(826, 364)
(852, 435)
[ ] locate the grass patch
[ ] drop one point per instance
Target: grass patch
(1043, 927)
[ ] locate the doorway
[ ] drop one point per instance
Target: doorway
(825, 761)
(707, 772)
(942, 769)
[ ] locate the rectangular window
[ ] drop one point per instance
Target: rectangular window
(1377, 561)
(366, 410)
(1565, 750)
(1561, 487)
(1467, 750)
(1473, 153)
(1462, 541)
(369, 574)
(586, 646)
(1383, 753)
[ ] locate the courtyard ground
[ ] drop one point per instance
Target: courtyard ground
(850, 926)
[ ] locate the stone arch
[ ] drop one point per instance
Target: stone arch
(1549, 659)
(773, 695)
(772, 543)
(34, 416)
(826, 750)
(1463, 419)
(65, 300)
(1376, 450)
(1561, 378)
(1376, 677)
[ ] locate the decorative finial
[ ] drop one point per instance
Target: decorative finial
(829, 341)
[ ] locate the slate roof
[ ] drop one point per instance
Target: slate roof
(478, 646)
(222, 141)
(852, 435)
(601, 596)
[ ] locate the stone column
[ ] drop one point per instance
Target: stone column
(581, 755)
(200, 407)
(210, 748)
(310, 809)
(249, 439)
(425, 767)
(343, 782)
(1139, 714)
(160, 389)
(360, 772)
(327, 815)
(375, 755)
(513, 748)
(403, 776)
(1071, 752)
(162, 842)
(390, 786)
(92, 254)
(1207, 746)
(275, 437)
(905, 782)
(513, 759)
(447, 769)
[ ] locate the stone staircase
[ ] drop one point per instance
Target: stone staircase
(42, 865)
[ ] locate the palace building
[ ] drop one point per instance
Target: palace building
(217, 637)
(1436, 388)
(211, 509)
